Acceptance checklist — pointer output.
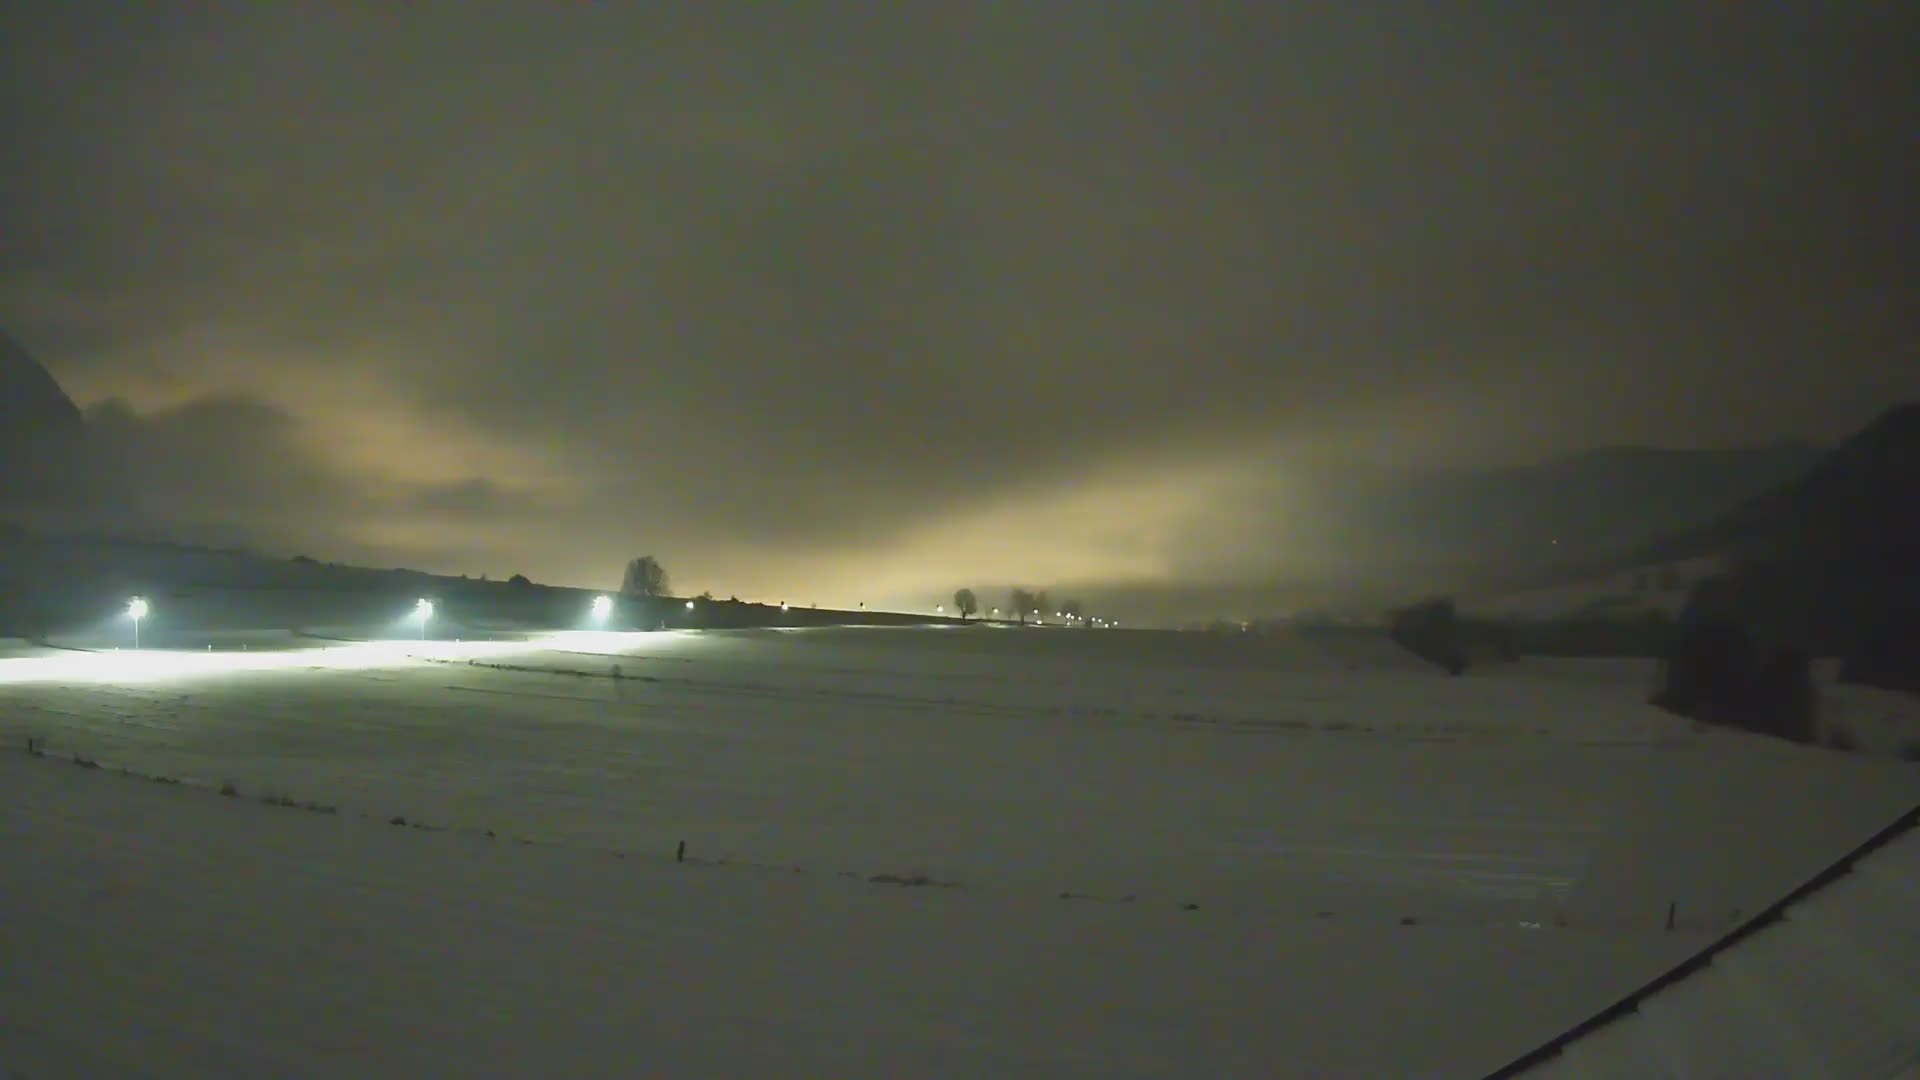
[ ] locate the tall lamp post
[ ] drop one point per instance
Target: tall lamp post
(136, 610)
(424, 612)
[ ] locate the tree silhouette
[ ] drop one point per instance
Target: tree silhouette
(645, 577)
(1023, 603)
(965, 603)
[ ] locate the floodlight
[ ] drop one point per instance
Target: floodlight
(602, 606)
(423, 609)
(689, 605)
(137, 610)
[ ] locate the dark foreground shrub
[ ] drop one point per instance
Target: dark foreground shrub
(1886, 656)
(1431, 631)
(1715, 674)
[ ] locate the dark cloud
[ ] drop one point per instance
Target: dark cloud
(227, 458)
(476, 499)
(776, 290)
(235, 470)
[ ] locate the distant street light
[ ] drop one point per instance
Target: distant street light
(423, 610)
(137, 610)
(689, 605)
(939, 609)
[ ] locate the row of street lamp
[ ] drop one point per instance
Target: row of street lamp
(1092, 620)
(601, 609)
(137, 609)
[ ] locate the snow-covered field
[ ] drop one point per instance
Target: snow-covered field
(1163, 854)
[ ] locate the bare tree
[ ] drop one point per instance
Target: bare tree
(1023, 603)
(645, 577)
(965, 603)
(1073, 610)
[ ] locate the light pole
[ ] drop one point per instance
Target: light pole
(424, 612)
(136, 610)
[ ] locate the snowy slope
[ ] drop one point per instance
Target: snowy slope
(1821, 986)
(1353, 836)
(1626, 593)
(164, 930)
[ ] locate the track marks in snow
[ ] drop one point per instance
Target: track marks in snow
(121, 868)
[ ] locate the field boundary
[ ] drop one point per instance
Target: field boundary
(1769, 915)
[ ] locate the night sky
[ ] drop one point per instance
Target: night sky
(838, 302)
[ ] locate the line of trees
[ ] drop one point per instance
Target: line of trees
(1025, 602)
(646, 579)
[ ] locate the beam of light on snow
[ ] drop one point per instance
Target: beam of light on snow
(120, 666)
(611, 642)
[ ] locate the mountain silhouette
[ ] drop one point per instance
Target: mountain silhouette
(1862, 498)
(44, 454)
(1831, 560)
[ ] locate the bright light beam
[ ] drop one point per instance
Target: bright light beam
(153, 665)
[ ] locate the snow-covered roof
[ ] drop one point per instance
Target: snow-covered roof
(1825, 983)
